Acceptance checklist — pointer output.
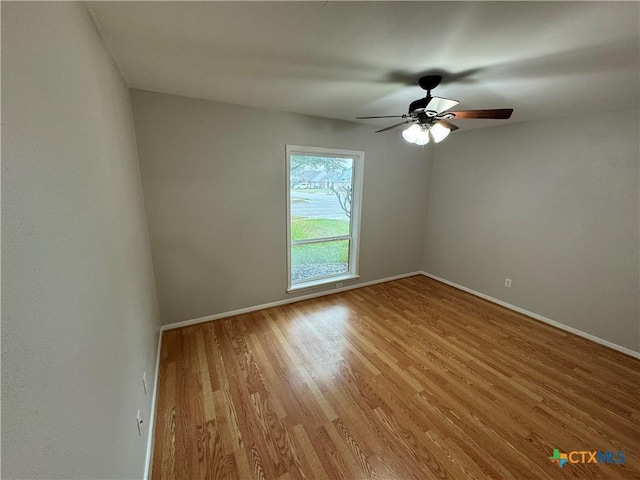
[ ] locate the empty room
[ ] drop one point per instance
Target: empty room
(320, 240)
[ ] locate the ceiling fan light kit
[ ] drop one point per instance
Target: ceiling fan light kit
(430, 117)
(421, 134)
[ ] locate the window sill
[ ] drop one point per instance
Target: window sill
(321, 281)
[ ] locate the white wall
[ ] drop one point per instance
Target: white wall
(79, 314)
(214, 183)
(552, 204)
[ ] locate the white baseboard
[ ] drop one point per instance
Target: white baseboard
(535, 316)
(152, 412)
(285, 301)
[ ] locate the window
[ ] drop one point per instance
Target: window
(324, 189)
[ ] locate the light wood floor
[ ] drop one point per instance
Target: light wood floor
(410, 379)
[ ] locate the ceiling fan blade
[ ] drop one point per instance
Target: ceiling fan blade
(384, 116)
(500, 113)
(439, 104)
(393, 126)
(449, 125)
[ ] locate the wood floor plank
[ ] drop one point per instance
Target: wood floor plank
(311, 463)
(410, 379)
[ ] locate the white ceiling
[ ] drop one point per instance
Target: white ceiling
(346, 59)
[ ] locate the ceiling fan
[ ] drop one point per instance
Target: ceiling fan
(429, 116)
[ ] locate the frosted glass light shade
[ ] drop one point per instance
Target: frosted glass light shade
(439, 132)
(410, 134)
(422, 138)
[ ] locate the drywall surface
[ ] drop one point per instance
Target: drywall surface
(214, 182)
(553, 205)
(79, 314)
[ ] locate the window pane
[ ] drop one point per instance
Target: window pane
(314, 260)
(320, 196)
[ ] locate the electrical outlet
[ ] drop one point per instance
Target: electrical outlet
(507, 282)
(144, 382)
(139, 422)
(339, 285)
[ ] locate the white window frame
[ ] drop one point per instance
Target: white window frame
(356, 207)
